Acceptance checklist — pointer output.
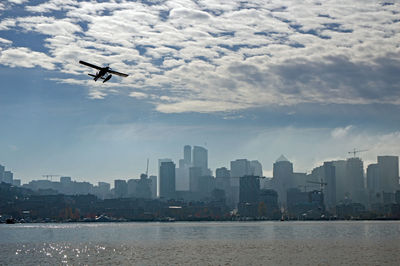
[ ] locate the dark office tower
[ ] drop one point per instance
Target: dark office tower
(249, 189)
(355, 180)
(1, 173)
(167, 180)
(200, 159)
(373, 178)
(120, 188)
(388, 173)
(187, 154)
(159, 165)
(330, 188)
(282, 178)
(268, 206)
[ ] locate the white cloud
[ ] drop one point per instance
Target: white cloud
(18, 1)
(341, 132)
(24, 57)
(138, 95)
(5, 41)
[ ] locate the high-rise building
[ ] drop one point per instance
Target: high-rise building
(103, 189)
(249, 189)
(388, 173)
(131, 187)
(120, 188)
(17, 182)
(282, 178)
(194, 179)
(2, 168)
(159, 165)
(240, 167)
(341, 179)
(182, 178)
(153, 179)
(167, 180)
(256, 168)
(200, 159)
(8, 177)
(143, 188)
(355, 180)
(187, 155)
(373, 178)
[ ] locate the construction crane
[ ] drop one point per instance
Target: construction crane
(51, 176)
(321, 183)
(355, 151)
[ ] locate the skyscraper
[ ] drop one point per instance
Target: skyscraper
(187, 155)
(167, 180)
(355, 180)
(240, 167)
(153, 179)
(2, 168)
(8, 177)
(200, 159)
(120, 188)
(256, 168)
(388, 173)
(159, 165)
(249, 189)
(282, 178)
(373, 178)
(341, 179)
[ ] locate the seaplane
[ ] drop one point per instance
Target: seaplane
(104, 73)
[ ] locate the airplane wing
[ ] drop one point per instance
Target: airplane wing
(118, 73)
(89, 65)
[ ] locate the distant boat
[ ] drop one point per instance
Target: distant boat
(10, 221)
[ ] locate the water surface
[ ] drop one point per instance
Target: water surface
(215, 243)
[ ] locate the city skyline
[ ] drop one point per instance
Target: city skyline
(251, 79)
(237, 167)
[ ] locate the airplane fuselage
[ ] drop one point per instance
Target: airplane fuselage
(103, 71)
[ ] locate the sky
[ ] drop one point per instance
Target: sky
(311, 80)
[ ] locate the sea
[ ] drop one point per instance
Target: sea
(202, 243)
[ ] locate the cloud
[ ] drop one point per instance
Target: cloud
(212, 56)
(24, 57)
(341, 132)
(138, 95)
(5, 41)
(18, 1)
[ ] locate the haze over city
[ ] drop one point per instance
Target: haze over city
(250, 80)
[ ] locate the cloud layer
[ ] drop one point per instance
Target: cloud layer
(210, 56)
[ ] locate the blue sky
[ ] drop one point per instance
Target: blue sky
(308, 79)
